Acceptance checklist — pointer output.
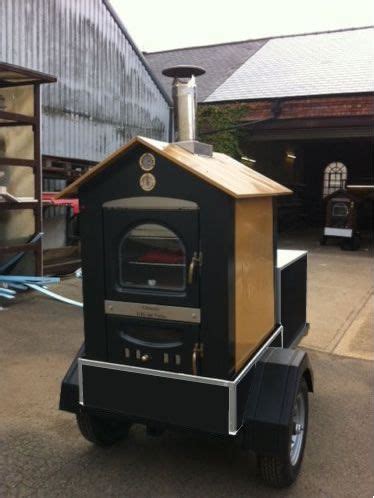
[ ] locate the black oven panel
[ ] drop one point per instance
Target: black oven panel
(151, 344)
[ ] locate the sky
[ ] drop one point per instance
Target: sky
(166, 24)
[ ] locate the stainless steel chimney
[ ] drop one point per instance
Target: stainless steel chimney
(185, 107)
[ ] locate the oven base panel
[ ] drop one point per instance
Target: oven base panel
(169, 398)
(260, 400)
(156, 399)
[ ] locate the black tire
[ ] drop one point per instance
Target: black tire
(101, 431)
(282, 471)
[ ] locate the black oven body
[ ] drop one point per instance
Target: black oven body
(118, 235)
(159, 305)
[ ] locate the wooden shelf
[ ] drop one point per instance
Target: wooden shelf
(19, 205)
(12, 76)
(30, 246)
(12, 161)
(149, 263)
(14, 118)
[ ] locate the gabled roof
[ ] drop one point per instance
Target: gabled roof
(221, 171)
(325, 63)
(219, 61)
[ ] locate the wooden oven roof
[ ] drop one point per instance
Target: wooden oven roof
(220, 170)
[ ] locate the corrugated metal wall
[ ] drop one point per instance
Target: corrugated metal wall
(104, 95)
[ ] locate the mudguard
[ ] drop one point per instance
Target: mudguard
(271, 398)
(69, 396)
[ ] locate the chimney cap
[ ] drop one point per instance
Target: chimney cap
(183, 71)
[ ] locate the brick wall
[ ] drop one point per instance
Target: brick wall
(312, 107)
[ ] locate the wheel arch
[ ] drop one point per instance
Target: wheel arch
(271, 397)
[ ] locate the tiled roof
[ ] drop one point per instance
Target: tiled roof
(219, 61)
(298, 65)
(315, 64)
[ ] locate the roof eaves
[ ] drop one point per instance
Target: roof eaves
(284, 97)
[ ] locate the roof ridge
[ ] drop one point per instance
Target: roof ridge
(263, 38)
(238, 42)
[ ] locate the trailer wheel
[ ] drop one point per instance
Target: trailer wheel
(282, 471)
(101, 431)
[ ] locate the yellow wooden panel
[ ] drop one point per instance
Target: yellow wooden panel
(221, 171)
(254, 275)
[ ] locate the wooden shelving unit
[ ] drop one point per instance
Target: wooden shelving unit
(15, 76)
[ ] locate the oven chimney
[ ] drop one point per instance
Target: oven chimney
(185, 107)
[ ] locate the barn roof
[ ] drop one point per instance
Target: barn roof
(220, 170)
(316, 64)
(324, 63)
(219, 62)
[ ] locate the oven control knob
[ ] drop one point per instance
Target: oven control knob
(145, 358)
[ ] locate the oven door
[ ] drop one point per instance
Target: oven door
(152, 254)
(153, 344)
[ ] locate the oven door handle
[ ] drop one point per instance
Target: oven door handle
(197, 353)
(191, 269)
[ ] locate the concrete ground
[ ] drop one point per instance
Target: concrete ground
(42, 453)
(340, 297)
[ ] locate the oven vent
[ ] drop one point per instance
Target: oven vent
(185, 107)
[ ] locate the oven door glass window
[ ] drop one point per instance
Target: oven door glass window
(152, 257)
(340, 210)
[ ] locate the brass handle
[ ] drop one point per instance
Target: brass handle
(196, 353)
(194, 361)
(191, 268)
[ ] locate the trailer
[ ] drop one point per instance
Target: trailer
(191, 313)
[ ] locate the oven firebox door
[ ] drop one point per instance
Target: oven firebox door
(151, 344)
(152, 252)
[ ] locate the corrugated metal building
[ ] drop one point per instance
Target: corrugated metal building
(105, 93)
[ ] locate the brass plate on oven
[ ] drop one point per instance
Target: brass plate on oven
(153, 311)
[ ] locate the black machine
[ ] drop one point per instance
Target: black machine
(191, 314)
(341, 219)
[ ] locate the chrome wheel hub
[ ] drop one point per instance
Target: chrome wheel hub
(298, 424)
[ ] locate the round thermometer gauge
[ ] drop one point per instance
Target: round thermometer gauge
(147, 161)
(147, 182)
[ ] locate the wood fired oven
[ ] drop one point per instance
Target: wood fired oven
(341, 219)
(180, 277)
(184, 301)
